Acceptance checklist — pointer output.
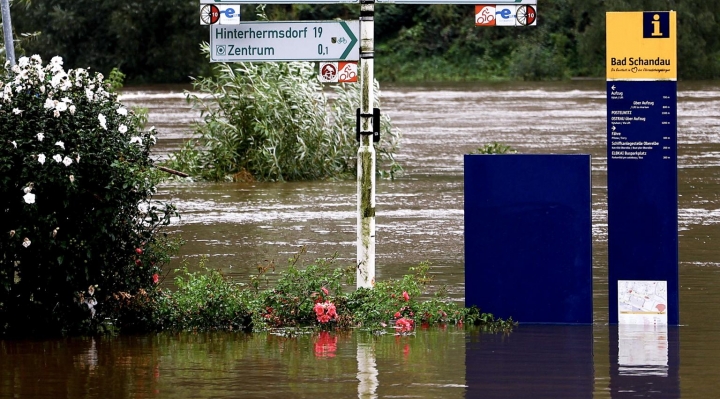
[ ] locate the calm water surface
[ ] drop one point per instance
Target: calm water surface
(420, 217)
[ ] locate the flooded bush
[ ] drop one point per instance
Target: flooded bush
(76, 180)
(273, 122)
(320, 296)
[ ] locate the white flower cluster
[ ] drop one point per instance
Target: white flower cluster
(61, 103)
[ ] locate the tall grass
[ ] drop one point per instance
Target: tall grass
(274, 122)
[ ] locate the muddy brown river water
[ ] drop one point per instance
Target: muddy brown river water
(419, 217)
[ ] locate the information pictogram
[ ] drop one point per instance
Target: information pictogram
(209, 14)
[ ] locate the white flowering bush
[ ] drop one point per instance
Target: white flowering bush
(77, 224)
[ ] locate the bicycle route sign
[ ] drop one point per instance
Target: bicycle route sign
(285, 41)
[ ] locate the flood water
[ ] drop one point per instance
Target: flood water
(419, 217)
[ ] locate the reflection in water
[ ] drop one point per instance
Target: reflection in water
(540, 361)
(643, 349)
(645, 361)
(367, 371)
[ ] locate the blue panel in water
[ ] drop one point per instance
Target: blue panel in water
(528, 238)
(642, 188)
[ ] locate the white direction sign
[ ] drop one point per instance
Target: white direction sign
(285, 41)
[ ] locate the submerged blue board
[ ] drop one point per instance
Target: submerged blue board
(528, 238)
(642, 188)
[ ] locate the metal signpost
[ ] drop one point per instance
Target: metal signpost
(7, 32)
(334, 41)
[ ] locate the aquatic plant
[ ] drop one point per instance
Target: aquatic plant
(78, 222)
(273, 122)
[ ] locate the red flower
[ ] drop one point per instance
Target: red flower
(325, 311)
(138, 251)
(406, 296)
(403, 325)
(325, 290)
(397, 315)
(156, 278)
(138, 262)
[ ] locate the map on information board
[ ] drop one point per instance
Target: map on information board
(642, 302)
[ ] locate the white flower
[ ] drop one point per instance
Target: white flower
(17, 111)
(102, 120)
(23, 61)
(60, 144)
(40, 136)
(152, 137)
(72, 179)
(72, 109)
(61, 106)
(26, 242)
(57, 60)
(28, 188)
(41, 158)
(14, 143)
(56, 113)
(57, 158)
(136, 139)
(29, 198)
(122, 129)
(36, 58)
(122, 111)
(77, 158)
(67, 161)
(89, 94)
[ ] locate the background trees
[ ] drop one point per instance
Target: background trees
(158, 40)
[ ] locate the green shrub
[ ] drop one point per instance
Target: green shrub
(76, 181)
(319, 295)
(273, 122)
(494, 148)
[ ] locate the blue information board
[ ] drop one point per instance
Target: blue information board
(642, 188)
(528, 238)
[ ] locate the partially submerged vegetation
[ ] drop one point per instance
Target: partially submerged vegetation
(320, 296)
(273, 122)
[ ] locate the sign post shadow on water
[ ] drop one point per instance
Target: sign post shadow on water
(642, 168)
(528, 238)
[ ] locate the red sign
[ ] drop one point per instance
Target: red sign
(485, 15)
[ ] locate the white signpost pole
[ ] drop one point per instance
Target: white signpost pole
(366, 152)
(7, 32)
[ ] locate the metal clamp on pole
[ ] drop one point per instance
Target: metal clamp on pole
(376, 124)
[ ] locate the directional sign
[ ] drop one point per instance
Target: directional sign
(285, 41)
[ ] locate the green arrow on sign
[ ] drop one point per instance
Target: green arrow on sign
(353, 39)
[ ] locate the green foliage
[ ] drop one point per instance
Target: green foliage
(203, 300)
(153, 40)
(494, 148)
(272, 122)
(76, 183)
(115, 80)
(157, 41)
(301, 297)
